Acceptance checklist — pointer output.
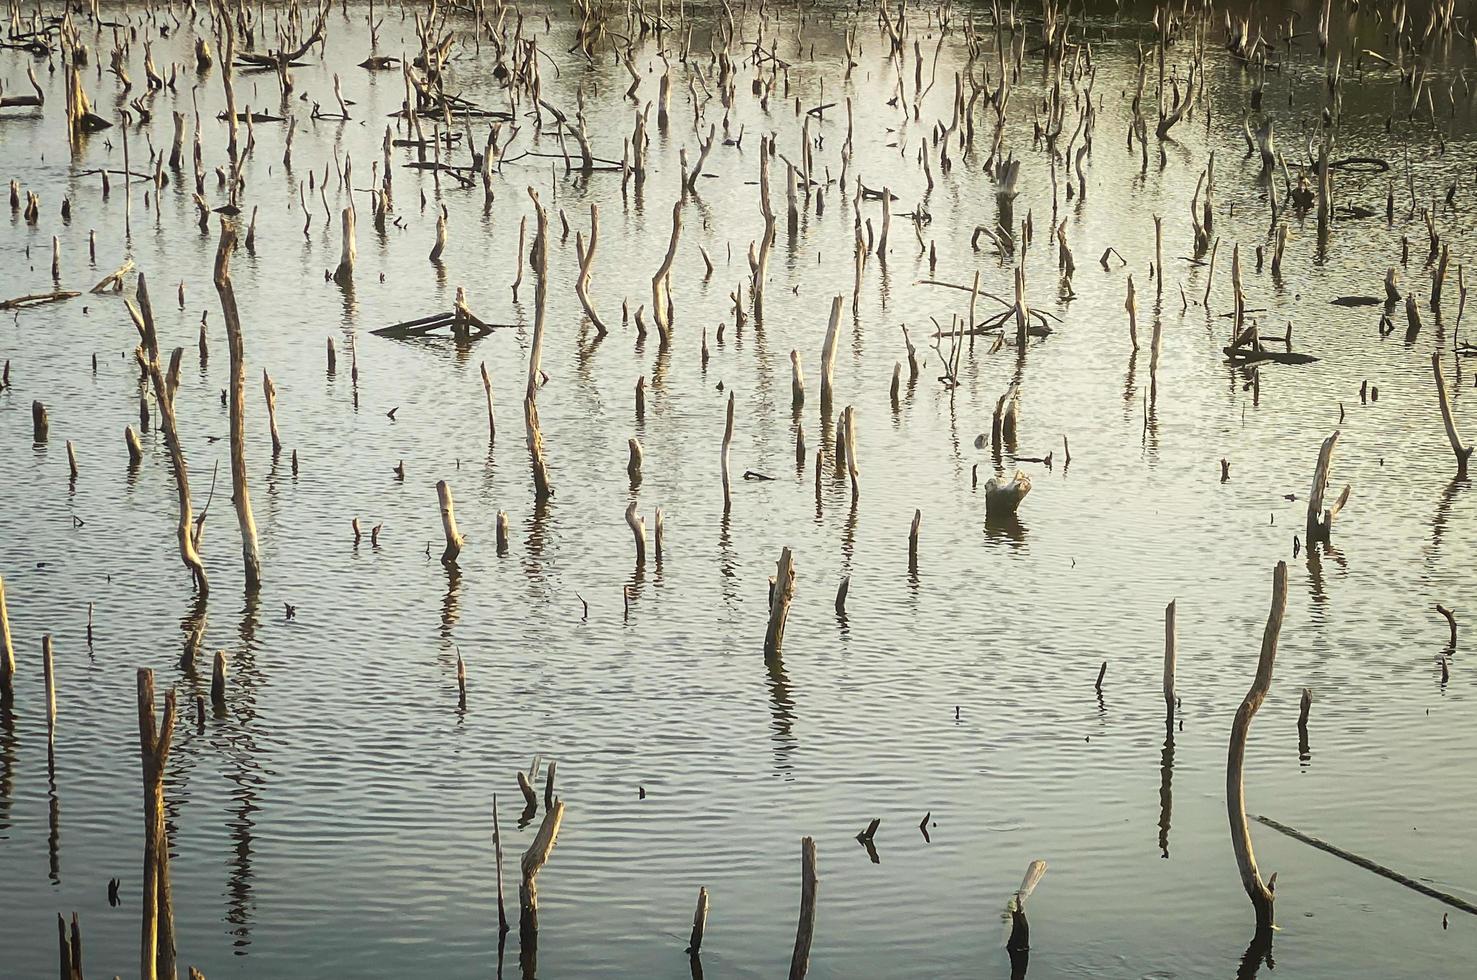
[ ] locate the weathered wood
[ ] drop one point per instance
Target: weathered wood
(7, 655)
(454, 539)
(491, 419)
(781, 592)
(49, 677)
(218, 681)
(1460, 450)
(723, 457)
(1003, 496)
(809, 886)
(143, 318)
(497, 846)
(344, 274)
(1261, 893)
(637, 524)
(1169, 664)
(156, 946)
(533, 862)
(1320, 520)
(40, 423)
(828, 355)
(235, 343)
(699, 923)
(269, 390)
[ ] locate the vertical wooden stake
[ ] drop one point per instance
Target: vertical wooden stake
(1169, 662)
(805, 929)
(1260, 893)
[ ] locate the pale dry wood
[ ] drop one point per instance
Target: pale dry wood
(7, 654)
(156, 945)
(454, 540)
(143, 318)
(1261, 893)
(723, 458)
(533, 862)
(781, 593)
(1320, 519)
(240, 488)
(1459, 449)
(828, 354)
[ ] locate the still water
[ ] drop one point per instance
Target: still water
(337, 819)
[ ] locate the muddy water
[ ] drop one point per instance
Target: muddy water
(336, 819)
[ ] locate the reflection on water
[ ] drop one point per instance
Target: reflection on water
(331, 813)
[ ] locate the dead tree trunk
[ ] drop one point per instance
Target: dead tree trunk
(240, 491)
(156, 946)
(1260, 893)
(143, 319)
(1462, 452)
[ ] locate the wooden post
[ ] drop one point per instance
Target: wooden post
(344, 274)
(637, 524)
(797, 382)
(491, 421)
(549, 786)
(805, 929)
(218, 681)
(40, 424)
(542, 488)
(156, 946)
(240, 490)
(497, 846)
(723, 459)
(1260, 893)
(50, 678)
(828, 355)
(913, 540)
(533, 861)
(1020, 930)
(1169, 661)
(782, 591)
(699, 923)
(71, 462)
(7, 655)
(1462, 452)
(135, 448)
(1133, 315)
(270, 391)
(454, 540)
(1320, 520)
(633, 461)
